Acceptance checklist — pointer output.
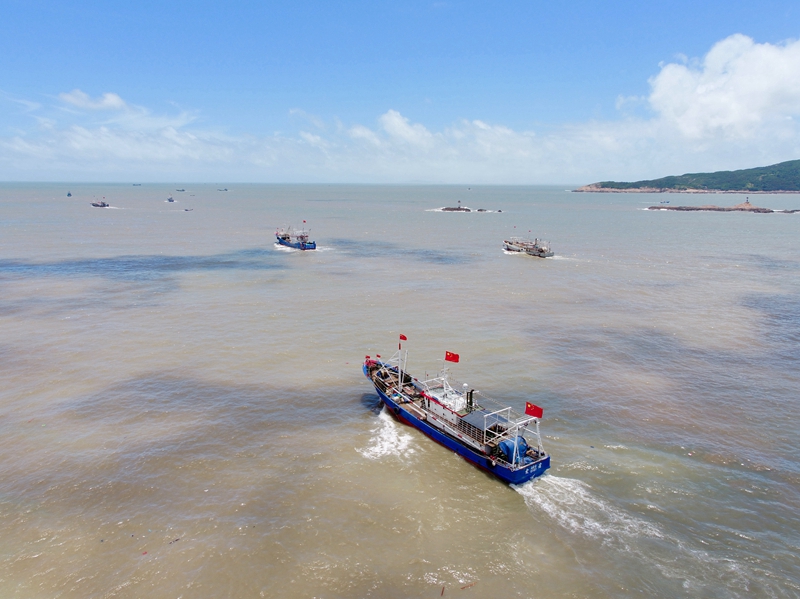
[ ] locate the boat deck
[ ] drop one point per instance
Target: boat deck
(483, 424)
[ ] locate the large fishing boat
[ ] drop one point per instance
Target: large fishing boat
(494, 437)
(297, 239)
(537, 247)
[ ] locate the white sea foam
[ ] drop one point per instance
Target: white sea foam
(388, 438)
(573, 505)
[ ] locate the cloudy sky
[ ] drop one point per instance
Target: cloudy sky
(501, 92)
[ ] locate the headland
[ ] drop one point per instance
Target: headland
(777, 178)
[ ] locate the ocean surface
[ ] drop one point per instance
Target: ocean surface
(183, 413)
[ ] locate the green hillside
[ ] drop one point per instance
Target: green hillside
(778, 177)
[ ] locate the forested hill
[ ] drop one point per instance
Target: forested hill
(781, 177)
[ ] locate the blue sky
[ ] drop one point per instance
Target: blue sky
(396, 92)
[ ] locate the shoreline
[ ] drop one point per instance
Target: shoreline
(594, 188)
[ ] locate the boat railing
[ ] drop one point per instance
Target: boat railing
(500, 422)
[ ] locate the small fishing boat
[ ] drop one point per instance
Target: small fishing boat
(69, 194)
(170, 199)
(100, 204)
(493, 437)
(297, 239)
(537, 247)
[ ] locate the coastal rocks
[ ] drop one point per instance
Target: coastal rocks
(743, 207)
(463, 209)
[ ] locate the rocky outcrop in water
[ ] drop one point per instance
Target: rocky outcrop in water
(743, 207)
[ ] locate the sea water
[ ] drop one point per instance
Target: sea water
(183, 412)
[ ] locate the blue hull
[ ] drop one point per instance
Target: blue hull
(512, 477)
(299, 245)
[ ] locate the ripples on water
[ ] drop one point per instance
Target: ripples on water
(183, 411)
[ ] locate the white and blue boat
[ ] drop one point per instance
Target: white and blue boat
(295, 239)
(493, 437)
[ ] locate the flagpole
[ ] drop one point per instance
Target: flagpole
(400, 366)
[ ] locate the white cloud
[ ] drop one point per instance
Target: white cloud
(400, 128)
(314, 140)
(118, 113)
(360, 132)
(82, 100)
(740, 90)
(311, 118)
(736, 107)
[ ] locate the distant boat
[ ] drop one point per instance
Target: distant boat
(137, 184)
(295, 239)
(226, 189)
(100, 204)
(665, 201)
(180, 190)
(538, 247)
(69, 194)
(169, 199)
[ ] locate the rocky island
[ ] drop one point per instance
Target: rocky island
(745, 206)
(461, 208)
(777, 178)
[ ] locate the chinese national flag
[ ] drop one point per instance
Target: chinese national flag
(403, 338)
(532, 410)
(450, 356)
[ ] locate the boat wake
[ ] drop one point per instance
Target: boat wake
(388, 438)
(573, 505)
(283, 248)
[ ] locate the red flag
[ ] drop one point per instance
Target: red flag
(450, 356)
(532, 410)
(403, 338)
